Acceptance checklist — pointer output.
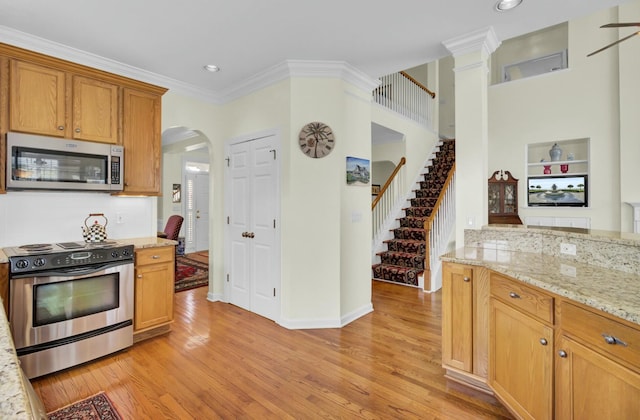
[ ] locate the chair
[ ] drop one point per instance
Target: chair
(172, 228)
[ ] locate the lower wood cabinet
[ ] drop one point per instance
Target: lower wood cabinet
(465, 298)
(544, 356)
(597, 367)
(154, 291)
(521, 362)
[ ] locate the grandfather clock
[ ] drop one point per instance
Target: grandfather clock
(503, 199)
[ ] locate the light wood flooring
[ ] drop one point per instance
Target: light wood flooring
(220, 361)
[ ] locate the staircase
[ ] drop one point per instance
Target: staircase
(404, 260)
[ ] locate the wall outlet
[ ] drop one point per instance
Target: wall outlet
(119, 218)
(568, 270)
(568, 249)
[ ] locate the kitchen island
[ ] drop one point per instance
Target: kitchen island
(14, 397)
(546, 319)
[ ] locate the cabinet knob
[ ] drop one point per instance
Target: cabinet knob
(77, 130)
(543, 341)
(514, 295)
(155, 257)
(61, 127)
(562, 354)
(139, 276)
(467, 279)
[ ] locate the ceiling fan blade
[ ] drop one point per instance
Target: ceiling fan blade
(613, 43)
(620, 25)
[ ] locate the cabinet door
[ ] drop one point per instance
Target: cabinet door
(591, 386)
(37, 99)
(95, 110)
(142, 142)
(457, 316)
(154, 295)
(521, 362)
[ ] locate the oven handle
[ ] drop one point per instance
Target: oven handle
(72, 271)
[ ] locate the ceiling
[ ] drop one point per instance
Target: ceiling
(175, 39)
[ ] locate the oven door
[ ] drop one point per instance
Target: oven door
(46, 307)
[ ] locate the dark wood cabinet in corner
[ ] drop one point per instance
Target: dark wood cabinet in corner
(48, 96)
(503, 199)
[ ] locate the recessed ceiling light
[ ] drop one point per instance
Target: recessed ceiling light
(504, 5)
(212, 68)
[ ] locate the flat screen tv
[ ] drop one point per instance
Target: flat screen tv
(558, 191)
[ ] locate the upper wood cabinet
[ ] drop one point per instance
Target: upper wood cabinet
(141, 131)
(37, 99)
(95, 110)
(38, 104)
(48, 96)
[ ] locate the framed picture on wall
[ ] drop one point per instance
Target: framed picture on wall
(176, 193)
(358, 171)
(375, 189)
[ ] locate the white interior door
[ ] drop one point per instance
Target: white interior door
(253, 246)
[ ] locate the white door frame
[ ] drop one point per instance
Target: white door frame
(275, 133)
(190, 242)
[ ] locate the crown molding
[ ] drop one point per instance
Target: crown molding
(300, 68)
(270, 76)
(484, 40)
(54, 49)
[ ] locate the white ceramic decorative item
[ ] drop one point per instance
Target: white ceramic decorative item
(570, 156)
(555, 152)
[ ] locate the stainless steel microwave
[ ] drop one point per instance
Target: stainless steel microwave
(50, 163)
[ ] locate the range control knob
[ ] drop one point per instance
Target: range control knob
(125, 252)
(114, 254)
(39, 262)
(22, 264)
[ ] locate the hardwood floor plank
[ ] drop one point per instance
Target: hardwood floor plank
(220, 361)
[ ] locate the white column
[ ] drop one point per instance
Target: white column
(471, 53)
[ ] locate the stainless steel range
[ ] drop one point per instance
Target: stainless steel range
(69, 303)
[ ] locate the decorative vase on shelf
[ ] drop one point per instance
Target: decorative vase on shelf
(547, 169)
(564, 168)
(555, 152)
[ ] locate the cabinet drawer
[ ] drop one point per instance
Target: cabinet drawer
(155, 255)
(527, 299)
(598, 331)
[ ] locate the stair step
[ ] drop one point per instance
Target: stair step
(402, 259)
(413, 222)
(396, 274)
(431, 192)
(423, 201)
(407, 245)
(418, 211)
(409, 233)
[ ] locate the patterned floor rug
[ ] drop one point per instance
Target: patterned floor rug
(190, 273)
(97, 407)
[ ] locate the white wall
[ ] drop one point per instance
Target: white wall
(51, 217)
(417, 145)
(581, 102)
(629, 121)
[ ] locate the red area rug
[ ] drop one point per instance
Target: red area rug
(190, 273)
(97, 407)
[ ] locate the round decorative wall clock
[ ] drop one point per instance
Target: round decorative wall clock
(316, 140)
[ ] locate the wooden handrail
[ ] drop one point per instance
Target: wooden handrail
(433, 94)
(436, 207)
(386, 185)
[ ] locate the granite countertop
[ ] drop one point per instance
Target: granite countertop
(14, 402)
(611, 291)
